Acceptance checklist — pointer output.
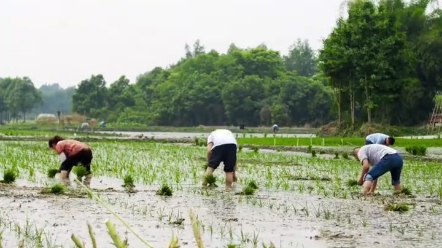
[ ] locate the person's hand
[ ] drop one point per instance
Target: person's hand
(360, 180)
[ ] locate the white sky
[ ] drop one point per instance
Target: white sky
(66, 41)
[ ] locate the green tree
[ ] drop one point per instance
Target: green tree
(90, 95)
(302, 59)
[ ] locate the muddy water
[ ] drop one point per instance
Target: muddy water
(179, 135)
(287, 219)
(225, 220)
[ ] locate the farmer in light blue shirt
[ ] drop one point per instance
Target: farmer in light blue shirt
(379, 138)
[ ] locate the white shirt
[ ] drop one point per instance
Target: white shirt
(221, 137)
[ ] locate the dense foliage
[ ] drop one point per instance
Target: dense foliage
(244, 86)
(384, 61)
(18, 97)
(380, 64)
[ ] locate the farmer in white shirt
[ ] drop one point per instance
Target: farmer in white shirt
(379, 138)
(222, 147)
(275, 128)
(383, 159)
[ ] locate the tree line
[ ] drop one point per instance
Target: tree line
(21, 100)
(380, 64)
(243, 86)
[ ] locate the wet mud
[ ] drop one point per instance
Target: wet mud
(285, 219)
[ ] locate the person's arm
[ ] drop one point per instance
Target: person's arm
(209, 150)
(365, 168)
(209, 147)
(373, 186)
(59, 148)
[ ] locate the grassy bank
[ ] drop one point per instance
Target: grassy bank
(270, 141)
(242, 139)
(24, 132)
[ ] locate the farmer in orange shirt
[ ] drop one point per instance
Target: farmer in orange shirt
(72, 153)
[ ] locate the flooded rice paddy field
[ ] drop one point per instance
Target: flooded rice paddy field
(301, 201)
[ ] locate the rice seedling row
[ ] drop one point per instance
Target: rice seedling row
(294, 195)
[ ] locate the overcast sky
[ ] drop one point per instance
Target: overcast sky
(66, 41)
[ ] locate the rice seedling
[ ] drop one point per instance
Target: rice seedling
(248, 190)
(128, 181)
(284, 180)
(352, 182)
(406, 191)
(165, 190)
(9, 176)
(80, 171)
(56, 189)
(52, 173)
(397, 207)
(211, 181)
(252, 184)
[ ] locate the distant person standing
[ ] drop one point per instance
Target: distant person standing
(382, 159)
(379, 138)
(275, 128)
(222, 147)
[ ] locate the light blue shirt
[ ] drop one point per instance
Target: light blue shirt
(377, 138)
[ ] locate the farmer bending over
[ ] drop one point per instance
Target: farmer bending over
(379, 138)
(72, 153)
(222, 147)
(383, 159)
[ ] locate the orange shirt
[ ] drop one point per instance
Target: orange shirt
(70, 147)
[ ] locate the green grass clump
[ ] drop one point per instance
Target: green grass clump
(336, 155)
(345, 155)
(313, 153)
(52, 173)
(128, 181)
(80, 171)
(165, 190)
(9, 176)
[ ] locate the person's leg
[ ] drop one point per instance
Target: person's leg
(398, 164)
(215, 158)
(86, 160)
(65, 169)
(229, 160)
(375, 172)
